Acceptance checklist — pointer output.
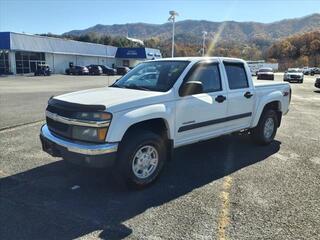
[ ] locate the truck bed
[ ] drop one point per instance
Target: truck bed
(262, 83)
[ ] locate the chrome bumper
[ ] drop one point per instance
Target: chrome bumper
(77, 147)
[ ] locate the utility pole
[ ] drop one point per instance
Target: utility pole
(172, 18)
(204, 34)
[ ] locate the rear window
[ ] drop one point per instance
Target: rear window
(237, 76)
(265, 70)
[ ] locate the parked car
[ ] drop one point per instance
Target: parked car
(293, 75)
(43, 70)
(317, 83)
(316, 70)
(108, 70)
(94, 69)
(265, 74)
(308, 71)
(134, 125)
(77, 70)
(122, 70)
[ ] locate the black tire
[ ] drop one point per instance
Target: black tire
(258, 132)
(131, 144)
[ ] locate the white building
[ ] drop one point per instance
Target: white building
(256, 65)
(21, 53)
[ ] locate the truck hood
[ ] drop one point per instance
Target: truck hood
(294, 73)
(114, 99)
(265, 73)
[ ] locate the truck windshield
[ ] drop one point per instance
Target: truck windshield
(153, 76)
(294, 70)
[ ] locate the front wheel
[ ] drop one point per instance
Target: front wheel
(267, 127)
(142, 155)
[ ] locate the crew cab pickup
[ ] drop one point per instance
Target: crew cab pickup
(135, 124)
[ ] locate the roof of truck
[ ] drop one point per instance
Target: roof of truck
(201, 58)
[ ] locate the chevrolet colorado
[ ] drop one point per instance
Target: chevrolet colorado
(134, 124)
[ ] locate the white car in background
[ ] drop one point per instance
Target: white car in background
(293, 75)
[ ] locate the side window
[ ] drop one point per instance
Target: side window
(209, 75)
(237, 76)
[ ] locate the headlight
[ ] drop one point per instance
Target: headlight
(94, 116)
(89, 134)
(95, 126)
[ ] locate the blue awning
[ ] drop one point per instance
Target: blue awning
(4, 40)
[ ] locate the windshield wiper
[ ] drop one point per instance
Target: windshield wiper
(117, 86)
(133, 86)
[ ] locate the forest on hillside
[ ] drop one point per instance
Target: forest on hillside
(297, 50)
(294, 51)
(185, 45)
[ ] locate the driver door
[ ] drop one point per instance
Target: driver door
(200, 116)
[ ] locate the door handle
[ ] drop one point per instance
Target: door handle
(220, 99)
(248, 95)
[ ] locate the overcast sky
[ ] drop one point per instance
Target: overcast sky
(59, 16)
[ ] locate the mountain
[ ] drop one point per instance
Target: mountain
(191, 29)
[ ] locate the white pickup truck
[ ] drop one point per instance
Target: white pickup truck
(134, 124)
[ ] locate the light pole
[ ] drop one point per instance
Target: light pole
(172, 18)
(204, 34)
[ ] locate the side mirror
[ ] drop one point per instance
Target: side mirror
(191, 88)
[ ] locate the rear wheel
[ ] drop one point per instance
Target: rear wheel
(141, 158)
(266, 130)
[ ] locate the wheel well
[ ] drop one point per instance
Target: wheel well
(156, 125)
(276, 106)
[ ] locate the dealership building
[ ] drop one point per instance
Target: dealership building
(22, 53)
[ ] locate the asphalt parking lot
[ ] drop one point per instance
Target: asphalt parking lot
(226, 188)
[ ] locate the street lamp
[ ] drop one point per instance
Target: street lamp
(204, 34)
(172, 18)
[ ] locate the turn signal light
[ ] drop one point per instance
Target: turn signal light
(102, 132)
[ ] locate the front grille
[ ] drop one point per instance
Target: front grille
(265, 76)
(67, 110)
(295, 76)
(59, 128)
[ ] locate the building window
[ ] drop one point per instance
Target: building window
(27, 62)
(4, 61)
(126, 63)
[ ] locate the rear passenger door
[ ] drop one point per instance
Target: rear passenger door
(240, 95)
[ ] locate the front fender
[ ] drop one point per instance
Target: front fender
(271, 97)
(123, 120)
